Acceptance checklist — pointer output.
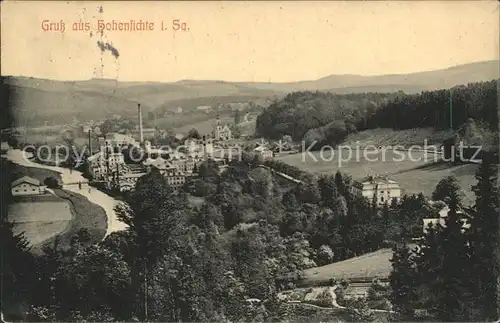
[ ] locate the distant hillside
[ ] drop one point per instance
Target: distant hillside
(40, 100)
(409, 83)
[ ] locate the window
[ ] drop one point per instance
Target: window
(381, 199)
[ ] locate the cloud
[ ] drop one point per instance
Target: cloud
(108, 47)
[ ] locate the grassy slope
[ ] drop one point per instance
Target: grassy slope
(389, 137)
(370, 265)
(87, 215)
(40, 220)
(421, 175)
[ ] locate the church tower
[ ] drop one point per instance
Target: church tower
(217, 128)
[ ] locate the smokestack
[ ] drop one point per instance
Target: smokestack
(90, 144)
(139, 111)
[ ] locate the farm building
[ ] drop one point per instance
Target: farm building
(27, 186)
(384, 189)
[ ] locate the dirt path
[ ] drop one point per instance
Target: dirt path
(95, 196)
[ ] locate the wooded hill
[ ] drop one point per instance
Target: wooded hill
(328, 117)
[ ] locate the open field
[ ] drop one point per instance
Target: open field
(202, 125)
(40, 221)
(87, 216)
(390, 137)
(367, 266)
(414, 175)
(81, 213)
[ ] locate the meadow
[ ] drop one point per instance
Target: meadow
(40, 221)
(365, 267)
(420, 174)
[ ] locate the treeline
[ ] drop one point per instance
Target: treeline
(454, 274)
(432, 109)
(299, 112)
(327, 117)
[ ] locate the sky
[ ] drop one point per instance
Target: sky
(247, 41)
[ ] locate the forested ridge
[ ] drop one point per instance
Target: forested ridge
(329, 117)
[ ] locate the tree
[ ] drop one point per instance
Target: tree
(51, 182)
(94, 281)
(156, 218)
(208, 170)
(454, 296)
(485, 239)
(343, 183)
(193, 134)
(17, 262)
(328, 190)
(447, 186)
(403, 281)
(325, 255)
(237, 117)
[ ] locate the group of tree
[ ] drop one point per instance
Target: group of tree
(183, 262)
(328, 118)
(454, 273)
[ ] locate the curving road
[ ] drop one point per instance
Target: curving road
(107, 202)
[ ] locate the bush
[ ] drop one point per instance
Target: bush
(52, 182)
(325, 255)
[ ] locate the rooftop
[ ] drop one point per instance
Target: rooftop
(378, 179)
(26, 179)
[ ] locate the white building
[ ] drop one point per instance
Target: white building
(107, 161)
(384, 189)
(118, 139)
(175, 179)
(264, 152)
(26, 186)
(441, 219)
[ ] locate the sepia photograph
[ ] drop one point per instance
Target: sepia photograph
(250, 161)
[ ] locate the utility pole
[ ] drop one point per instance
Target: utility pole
(451, 109)
(90, 143)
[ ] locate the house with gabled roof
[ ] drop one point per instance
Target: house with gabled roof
(26, 186)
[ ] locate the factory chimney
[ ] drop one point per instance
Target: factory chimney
(90, 144)
(139, 111)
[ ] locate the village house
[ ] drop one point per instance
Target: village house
(440, 219)
(26, 186)
(382, 188)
